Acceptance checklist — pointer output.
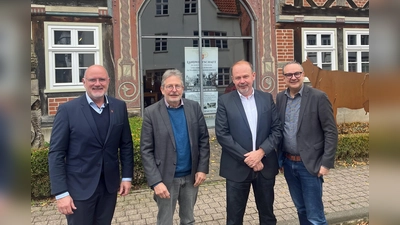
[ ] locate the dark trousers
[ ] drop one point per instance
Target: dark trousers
(97, 210)
(237, 194)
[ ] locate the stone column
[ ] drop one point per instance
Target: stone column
(37, 138)
(127, 80)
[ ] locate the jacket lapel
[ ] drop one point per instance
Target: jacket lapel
(165, 117)
(89, 117)
(239, 105)
(112, 118)
(304, 101)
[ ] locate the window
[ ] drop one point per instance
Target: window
(161, 43)
(220, 43)
(223, 76)
(161, 7)
(71, 49)
(190, 6)
(356, 50)
(320, 47)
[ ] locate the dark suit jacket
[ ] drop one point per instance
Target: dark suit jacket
(233, 133)
(157, 143)
(317, 133)
(77, 154)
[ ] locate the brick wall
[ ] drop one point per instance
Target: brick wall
(285, 51)
(53, 104)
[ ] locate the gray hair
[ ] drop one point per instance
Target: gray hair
(292, 62)
(170, 73)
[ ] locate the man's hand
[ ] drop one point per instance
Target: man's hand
(199, 177)
(323, 171)
(161, 190)
(258, 167)
(254, 157)
(66, 205)
(125, 188)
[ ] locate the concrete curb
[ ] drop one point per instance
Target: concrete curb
(337, 218)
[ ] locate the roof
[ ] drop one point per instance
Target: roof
(227, 6)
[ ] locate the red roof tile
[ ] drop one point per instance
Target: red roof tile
(227, 6)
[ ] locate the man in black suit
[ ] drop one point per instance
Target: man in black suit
(309, 143)
(90, 137)
(248, 129)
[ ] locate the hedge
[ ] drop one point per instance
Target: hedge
(350, 146)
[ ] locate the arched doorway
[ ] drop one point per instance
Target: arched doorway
(177, 34)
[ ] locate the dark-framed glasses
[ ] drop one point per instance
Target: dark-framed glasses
(290, 75)
(171, 87)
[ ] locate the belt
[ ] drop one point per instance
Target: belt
(295, 158)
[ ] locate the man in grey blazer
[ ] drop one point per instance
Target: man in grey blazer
(308, 149)
(175, 150)
(249, 131)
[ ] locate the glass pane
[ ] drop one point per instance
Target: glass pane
(311, 39)
(352, 57)
(352, 67)
(313, 57)
(326, 57)
(365, 67)
(326, 66)
(364, 39)
(326, 39)
(86, 60)
(86, 37)
(364, 56)
(352, 39)
(81, 74)
(63, 76)
(62, 37)
(62, 60)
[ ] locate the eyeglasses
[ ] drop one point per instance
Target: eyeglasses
(290, 75)
(94, 80)
(171, 87)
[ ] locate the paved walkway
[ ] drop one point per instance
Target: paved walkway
(346, 197)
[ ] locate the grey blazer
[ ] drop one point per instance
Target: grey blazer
(233, 133)
(157, 143)
(317, 134)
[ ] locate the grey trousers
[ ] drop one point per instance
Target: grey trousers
(182, 191)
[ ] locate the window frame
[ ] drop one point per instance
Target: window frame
(161, 41)
(162, 4)
(190, 4)
(225, 72)
(319, 48)
(212, 42)
(74, 49)
(358, 48)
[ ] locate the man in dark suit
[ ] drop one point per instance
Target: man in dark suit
(309, 143)
(90, 136)
(248, 129)
(175, 150)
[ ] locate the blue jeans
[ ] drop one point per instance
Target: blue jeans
(306, 192)
(181, 190)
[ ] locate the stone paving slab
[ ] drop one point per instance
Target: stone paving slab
(345, 196)
(345, 190)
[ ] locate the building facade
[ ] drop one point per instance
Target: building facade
(137, 40)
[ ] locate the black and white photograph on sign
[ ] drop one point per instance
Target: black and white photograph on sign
(210, 66)
(210, 101)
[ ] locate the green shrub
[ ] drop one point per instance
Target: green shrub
(352, 146)
(40, 183)
(138, 173)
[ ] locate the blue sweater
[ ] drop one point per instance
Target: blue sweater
(182, 143)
